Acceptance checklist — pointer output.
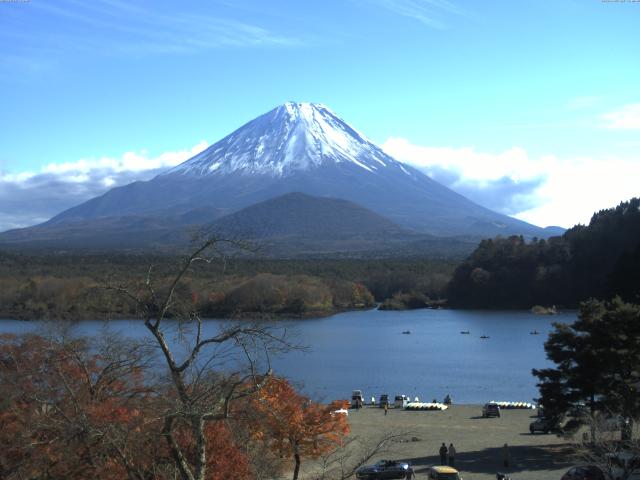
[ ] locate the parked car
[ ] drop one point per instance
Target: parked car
(401, 401)
(491, 410)
(443, 473)
(585, 472)
(383, 469)
(384, 400)
(357, 399)
(541, 425)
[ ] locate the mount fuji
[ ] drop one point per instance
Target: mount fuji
(296, 147)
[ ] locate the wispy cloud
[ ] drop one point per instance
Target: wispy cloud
(547, 190)
(118, 28)
(432, 13)
(29, 198)
(624, 118)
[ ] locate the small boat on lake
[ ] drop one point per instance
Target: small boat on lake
(407, 332)
(484, 336)
(465, 332)
(534, 332)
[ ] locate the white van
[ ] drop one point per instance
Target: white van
(401, 401)
(357, 398)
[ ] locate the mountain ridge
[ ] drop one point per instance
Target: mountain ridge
(296, 147)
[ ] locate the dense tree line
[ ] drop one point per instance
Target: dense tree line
(600, 260)
(261, 295)
(68, 286)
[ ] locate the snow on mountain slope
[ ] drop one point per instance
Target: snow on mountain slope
(289, 138)
(298, 147)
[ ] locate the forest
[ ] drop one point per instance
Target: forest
(74, 286)
(599, 260)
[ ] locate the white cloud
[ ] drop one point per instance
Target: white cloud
(29, 198)
(546, 190)
(578, 187)
(625, 118)
(465, 161)
(129, 162)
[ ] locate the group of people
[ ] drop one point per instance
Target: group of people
(447, 455)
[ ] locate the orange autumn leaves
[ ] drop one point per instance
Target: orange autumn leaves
(292, 419)
(68, 413)
(71, 411)
(296, 426)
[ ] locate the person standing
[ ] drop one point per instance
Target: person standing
(386, 409)
(452, 454)
(410, 475)
(443, 454)
(505, 456)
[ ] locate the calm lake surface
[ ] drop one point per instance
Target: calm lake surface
(368, 351)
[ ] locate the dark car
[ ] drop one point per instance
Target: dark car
(384, 400)
(541, 425)
(585, 472)
(383, 469)
(491, 410)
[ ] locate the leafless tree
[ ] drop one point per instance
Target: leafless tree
(601, 444)
(210, 367)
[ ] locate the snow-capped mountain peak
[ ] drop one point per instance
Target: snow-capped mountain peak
(291, 137)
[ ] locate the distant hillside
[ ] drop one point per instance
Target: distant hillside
(293, 225)
(127, 233)
(298, 214)
(599, 260)
(300, 225)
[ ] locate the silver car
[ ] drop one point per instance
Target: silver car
(383, 469)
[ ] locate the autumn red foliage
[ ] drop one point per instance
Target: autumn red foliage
(73, 410)
(297, 427)
(70, 413)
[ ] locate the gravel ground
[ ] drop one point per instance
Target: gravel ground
(478, 441)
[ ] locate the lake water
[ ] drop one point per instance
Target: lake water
(367, 350)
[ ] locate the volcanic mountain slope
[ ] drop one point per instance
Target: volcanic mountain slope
(299, 225)
(290, 226)
(299, 147)
(299, 215)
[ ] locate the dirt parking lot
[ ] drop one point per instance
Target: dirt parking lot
(478, 441)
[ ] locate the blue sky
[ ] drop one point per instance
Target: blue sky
(524, 106)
